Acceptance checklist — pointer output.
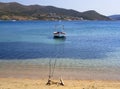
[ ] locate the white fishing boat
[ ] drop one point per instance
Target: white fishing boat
(59, 34)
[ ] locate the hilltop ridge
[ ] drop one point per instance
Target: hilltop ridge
(17, 11)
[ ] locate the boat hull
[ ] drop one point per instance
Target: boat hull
(58, 37)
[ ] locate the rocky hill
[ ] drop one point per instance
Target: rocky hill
(115, 17)
(16, 11)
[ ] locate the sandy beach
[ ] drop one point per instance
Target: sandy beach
(27, 75)
(16, 83)
(28, 78)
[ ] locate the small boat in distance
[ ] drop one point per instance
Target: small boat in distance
(59, 34)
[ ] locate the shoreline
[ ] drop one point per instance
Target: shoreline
(73, 70)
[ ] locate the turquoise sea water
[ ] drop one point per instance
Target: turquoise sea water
(88, 44)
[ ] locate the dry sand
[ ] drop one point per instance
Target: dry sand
(17, 83)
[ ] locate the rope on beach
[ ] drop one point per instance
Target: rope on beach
(52, 63)
(50, 68)
(54, 67)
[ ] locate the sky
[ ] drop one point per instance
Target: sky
(105, 7)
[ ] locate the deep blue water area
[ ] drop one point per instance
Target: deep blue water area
(34, 39)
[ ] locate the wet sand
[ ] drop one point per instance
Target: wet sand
(68, 69)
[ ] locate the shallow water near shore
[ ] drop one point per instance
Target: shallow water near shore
(91, 49)
(67, 68)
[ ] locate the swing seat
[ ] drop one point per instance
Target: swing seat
(50, 82)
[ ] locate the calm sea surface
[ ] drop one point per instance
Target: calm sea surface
(94, 44)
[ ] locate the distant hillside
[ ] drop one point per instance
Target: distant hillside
(9, 11)
(93, 15)
(115, 17)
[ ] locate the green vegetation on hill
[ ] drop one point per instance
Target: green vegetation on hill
(16, 11)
